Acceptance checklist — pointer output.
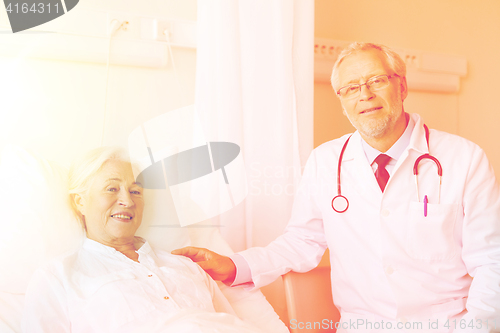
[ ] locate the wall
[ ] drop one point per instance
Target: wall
(468, 28)
(55, 108)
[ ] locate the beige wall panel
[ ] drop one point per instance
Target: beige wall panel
(468, 28)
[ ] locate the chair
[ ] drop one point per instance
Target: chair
(309, 301)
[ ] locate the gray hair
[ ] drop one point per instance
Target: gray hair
(393, 60)
(84, 169)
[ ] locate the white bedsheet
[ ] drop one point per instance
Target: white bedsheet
(190, 321)
(11, 306)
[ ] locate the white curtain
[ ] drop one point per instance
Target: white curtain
(254, 87)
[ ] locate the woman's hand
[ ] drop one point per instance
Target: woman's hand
(220, 268)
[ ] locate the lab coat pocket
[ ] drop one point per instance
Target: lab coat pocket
(115, 300)
(431, 237)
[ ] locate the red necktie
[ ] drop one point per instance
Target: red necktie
(381, 173)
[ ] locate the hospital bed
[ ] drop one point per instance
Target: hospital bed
(37, 225)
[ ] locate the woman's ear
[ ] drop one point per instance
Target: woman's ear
(79, 203)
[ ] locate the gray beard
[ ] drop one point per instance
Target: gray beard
(377, 127)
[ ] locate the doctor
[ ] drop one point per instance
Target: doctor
(403, 256)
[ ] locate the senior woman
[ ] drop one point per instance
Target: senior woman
(116, 282)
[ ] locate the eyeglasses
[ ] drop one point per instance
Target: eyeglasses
(375, 83)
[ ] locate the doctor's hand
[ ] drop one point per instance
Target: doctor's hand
(220, 268)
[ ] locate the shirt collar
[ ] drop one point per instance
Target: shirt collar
(94, 246)
(397, 148)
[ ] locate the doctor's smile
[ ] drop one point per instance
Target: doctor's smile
(370, 110)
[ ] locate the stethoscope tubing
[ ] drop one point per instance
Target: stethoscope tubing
(344, 202)
(339, 187)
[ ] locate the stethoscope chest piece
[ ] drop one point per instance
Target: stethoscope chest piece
(340, 203)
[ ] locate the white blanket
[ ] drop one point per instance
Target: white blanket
(190, 321)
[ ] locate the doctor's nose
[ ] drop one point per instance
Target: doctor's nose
(365, 93)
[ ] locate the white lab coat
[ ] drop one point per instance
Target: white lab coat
(388, 261)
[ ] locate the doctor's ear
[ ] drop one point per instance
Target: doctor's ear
(404, 88)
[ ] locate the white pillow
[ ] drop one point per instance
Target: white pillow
(37, 223)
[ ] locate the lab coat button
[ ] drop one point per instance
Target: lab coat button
(150, 275)
(385, 213)
(389, 270)
(166, 297)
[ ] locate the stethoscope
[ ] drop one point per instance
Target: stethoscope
(340, 203)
